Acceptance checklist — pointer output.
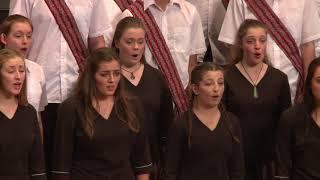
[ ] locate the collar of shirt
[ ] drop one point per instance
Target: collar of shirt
(148, 3)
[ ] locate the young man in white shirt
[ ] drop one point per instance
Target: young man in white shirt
(212, 14)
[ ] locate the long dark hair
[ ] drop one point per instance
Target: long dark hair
(308, 97)
(243, 29)
(197, 76)
(309, 100)
(86, 91)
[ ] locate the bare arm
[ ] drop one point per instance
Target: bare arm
(143, 177)
(96, 42)
(308, 54)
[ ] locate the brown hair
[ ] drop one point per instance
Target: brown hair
(8, 22)
(237, 53)
(309, 98)
(197, 76)
(86, 91)
(123, 25)
(5, 55)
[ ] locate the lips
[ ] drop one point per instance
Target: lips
(215, 97)
(23, 49)
(257, 55)
(110, 88)
(17, 85)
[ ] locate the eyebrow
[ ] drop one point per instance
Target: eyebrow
(110, 70)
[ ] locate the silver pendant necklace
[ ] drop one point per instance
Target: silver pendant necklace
(254, 83)
(132, 76)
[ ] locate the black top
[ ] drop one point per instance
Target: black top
(155, 97)
(21, 152)
(258, 116)
(298, 145)
(212, 155)
(114, 152)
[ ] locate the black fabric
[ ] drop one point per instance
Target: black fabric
(49, 118)
(114, 151)
(298, 145)
(21, 152)
(155, 98)
(213, 154)
(258, 116)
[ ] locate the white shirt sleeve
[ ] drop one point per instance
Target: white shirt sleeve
(232, 21)
(311, 22)
(197, 41)
(103, 12)
(43, 98)
(22, 7)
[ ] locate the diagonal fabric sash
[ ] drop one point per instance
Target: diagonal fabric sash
(162, 55)
(281, 35)
(69, 29)
(123, 4)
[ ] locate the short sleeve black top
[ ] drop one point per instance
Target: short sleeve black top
(21, 152)
(114, 151)
(298, 145)
(212, 154)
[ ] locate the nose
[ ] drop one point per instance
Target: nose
(257, 45)
(111, 78)
(136, 45)
(18, 75)
(25, 39)
(215, 87)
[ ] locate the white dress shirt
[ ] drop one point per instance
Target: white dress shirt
(50, 49)
(212, 14)
(181, 28)
(300, 18)
(36, 85)
(318, 41)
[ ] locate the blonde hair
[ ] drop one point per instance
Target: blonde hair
(6, 55)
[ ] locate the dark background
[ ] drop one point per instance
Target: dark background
(4, 9)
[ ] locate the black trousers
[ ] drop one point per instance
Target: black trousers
(49, 118)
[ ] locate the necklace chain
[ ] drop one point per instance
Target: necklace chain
(255, 91)
(253, 82)
(132, 76)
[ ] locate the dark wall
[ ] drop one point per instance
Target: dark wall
(4, 9)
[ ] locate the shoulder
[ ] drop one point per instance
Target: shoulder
(27, 108)
(156, 74)
(231, 119)
(294, 115)
(152, 71)
(181, 121)
(33, 67)
(187, 8)
(27, 111)
(230, 70)
(186, 5)
(277, 73)
(70, 104)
